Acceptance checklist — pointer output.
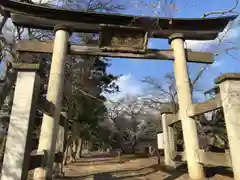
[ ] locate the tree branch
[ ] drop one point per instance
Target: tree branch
(232, 10)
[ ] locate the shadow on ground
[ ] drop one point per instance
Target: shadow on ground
(113, 159)
(131, 174)
(212, 171)
(149, 172)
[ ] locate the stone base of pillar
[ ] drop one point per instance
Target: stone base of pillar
(58, 170)
(58, 175)
(171, 164)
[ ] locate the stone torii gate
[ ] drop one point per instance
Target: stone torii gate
(134, 32)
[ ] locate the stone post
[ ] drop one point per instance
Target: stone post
(167, 141)
(50, 124)
(230, 94)
(185, 102)
(18, 145)
(172, 142)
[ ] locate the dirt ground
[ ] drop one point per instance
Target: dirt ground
(103, 167)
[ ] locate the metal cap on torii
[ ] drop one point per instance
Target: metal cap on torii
(175, 36)
(62, 27)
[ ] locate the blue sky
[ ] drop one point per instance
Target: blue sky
(135, 70)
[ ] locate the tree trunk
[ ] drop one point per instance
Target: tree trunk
(60, 146)
(65, 156)
(134, 144)
(71, 154)
(2, 149)
(158, 155)
(75, 139)
(79, 149)
(75, 147)
(68, 152)
(89, 144)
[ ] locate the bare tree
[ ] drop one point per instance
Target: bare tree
(165, 90)
(130, 119)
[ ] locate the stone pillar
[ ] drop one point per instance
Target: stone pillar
(185, 102)
(230, 94)
(50, 124)
(172, 142)
(18, 145)
(167, 141)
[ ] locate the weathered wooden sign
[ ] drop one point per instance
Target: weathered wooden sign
(123, 39)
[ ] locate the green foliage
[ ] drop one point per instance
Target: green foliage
(92, 110)
(87, 108)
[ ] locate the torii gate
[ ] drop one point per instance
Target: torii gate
(111, 27)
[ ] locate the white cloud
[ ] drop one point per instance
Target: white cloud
(128, 86)
(8, 30)
(229, 34)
